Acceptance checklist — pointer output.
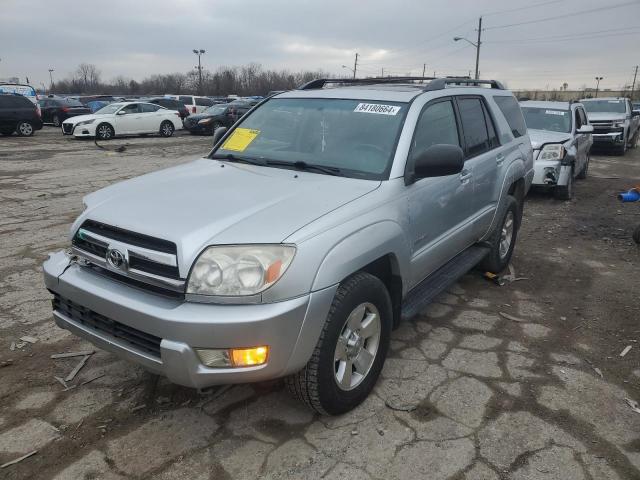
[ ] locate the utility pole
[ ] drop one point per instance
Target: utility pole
(355, 66)
(51, 70)
(382, 72)
(424, 69)
(199, 67)
(598, 84)
(478, 48)
(633, 86)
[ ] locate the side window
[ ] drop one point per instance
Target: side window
(186, 100)
(577, 118)
(511, 111)
(147, 107)
(473, 126)
(491, 129)
(133, 108)
(437, 124)
(203, 102)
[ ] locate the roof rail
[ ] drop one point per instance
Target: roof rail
(321, 82)
(440, 83)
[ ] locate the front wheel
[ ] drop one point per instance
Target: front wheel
(166, 128)
(503, 240)
(24, 129)
(104, 131)
(56, 121)
(585, 169)
(351, 350)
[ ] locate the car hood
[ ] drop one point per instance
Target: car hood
(540, 137)
(81, 118)
(208, 202)
(608, 116)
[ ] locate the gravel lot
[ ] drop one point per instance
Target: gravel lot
(465, 394)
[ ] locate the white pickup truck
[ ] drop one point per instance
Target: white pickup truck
(614, 121)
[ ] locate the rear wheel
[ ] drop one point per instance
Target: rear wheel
(104, 131)
(166, 128)
(351, 350)
(24, 128)
(503, 240)
(565, 192)
(56, 121)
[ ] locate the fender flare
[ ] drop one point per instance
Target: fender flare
(515, 172)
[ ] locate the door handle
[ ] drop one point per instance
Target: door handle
(465, 176)
(499, 158)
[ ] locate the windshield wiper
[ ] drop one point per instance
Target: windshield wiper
(301, 165)
(230, 157)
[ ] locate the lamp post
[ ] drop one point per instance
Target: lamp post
(351, 70)
(199, 54)
(51, 70)
(476, 45)
(598, 84)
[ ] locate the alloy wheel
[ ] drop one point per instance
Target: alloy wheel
(506, 236)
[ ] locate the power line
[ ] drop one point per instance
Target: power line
(564, 39)
(572, 14)
(564, 35)
(535, 5)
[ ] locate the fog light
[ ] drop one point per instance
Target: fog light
(245, 357)
(234, 357)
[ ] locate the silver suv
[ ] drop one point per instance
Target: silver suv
(318, 222)
(615, 122)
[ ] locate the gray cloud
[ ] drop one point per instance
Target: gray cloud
(136, 38)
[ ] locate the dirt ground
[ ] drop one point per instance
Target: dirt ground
(466, 392)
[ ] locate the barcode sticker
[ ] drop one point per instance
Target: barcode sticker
(377, 108)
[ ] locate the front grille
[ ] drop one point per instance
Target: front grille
(132, 238)
(142, 341)
(67, 127)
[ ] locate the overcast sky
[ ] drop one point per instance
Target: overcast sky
(135, 38)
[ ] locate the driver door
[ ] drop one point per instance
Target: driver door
(129, 121)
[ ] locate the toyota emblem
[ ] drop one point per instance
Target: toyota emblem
(116, 259)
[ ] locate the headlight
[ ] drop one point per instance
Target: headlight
(204, 120)
(618, 124)
(85, 122)
(553, 151)
(239, 270)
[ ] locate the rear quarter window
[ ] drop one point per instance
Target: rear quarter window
(186, 100)
(204, 102)
(512, 113)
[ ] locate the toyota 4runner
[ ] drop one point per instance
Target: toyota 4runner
(316, 223)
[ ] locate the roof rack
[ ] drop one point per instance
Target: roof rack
(434, 83)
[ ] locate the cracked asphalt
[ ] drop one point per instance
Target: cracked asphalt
(466, 393)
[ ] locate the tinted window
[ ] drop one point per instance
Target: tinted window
(147, 107)
(437, 124)
(72, 103)
(491, 130)
(511, 111)
(474, 126)
(133, 108)
(577, 119)
(204, 102)
(186, 100)
(15, 101)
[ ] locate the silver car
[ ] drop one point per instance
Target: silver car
(561, 137)
(323, 217)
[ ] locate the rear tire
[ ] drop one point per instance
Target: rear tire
(339, 376)
(24, 128)
(166, 129)
(104, 131)
(503, 239)
(56, 121)
(565, 192)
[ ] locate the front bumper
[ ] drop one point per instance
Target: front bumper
(78, 130)
(612, 138)
(199, 128)
(290, 328)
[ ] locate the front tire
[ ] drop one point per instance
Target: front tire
(583, 173)
(351, 350)
(24, 128)
(565, 192)
(503, 240)
(166, 129)
(104, 131)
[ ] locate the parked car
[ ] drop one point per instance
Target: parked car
(194, 103)
(211, 119)
(18, 114)
(20, 89)
(315, 224)
(237, 108)
(561, 137)
(171, 104)
(125, 118)
(635, 106)
(615, 123)
(56, 110)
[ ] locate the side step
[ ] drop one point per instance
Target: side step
(424, 293)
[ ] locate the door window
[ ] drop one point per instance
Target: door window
(436, 125)
(512, 113)
(132, 108)
(474, 126)
(147, 107)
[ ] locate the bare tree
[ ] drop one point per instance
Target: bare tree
(89, 75)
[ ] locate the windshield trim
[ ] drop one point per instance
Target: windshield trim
(348, 173)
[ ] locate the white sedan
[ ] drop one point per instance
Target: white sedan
(124, 118)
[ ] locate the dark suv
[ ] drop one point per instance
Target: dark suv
(57, 110)
(223, 115)
(18, 114)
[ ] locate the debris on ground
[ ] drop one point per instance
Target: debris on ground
(400, 408)
(62, 382)
(6, 363)
(29, 339)
(73, 354)
(625, 351)
(139, 407)
(13, 346)
(633, 404)
(497, 279)
(512, 318)
(77, 368)
(18, 460)
(511, 277)
(92, 379)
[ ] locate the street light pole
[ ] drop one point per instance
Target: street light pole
(633, 86)
(598, 84)
(476, 45)
(199, 54)
(51, 70)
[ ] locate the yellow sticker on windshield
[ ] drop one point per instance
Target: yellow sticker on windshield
(240, 139)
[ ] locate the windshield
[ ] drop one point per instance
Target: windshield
(216, 110)
(550, 119)
(605, 106)
(111, 108)
(358, 137)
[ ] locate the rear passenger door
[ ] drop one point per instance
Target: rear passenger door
(150, 118)
(483, 157)
(439, 207)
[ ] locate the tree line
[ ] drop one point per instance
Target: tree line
(245, 80)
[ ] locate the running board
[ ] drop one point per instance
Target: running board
(424, 293)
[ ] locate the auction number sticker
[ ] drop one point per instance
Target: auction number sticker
(240, 139)
(555, 112)
(377, 108)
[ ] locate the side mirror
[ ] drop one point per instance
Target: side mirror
(121, 112)
(218, 134)
(438, 160)
(585, 129)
